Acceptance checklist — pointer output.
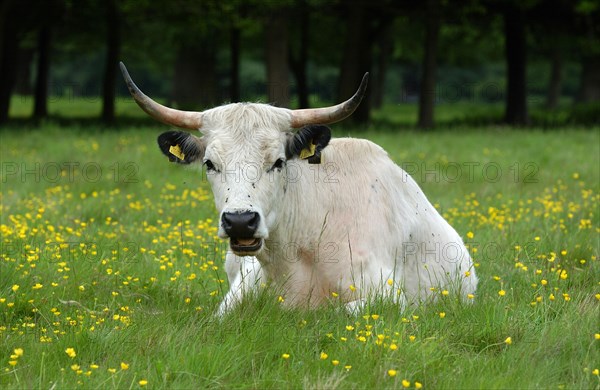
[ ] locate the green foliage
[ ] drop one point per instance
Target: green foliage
(585, 113)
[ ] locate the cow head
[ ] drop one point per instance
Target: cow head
(246, 149)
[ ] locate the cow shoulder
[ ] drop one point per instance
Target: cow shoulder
(356, 150)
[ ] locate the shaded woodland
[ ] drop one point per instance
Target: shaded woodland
(197, 54)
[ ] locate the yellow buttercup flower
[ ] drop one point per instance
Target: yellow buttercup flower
(392, 373)
(70, 352)
(285, 356)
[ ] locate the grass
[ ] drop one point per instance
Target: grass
(110, 250)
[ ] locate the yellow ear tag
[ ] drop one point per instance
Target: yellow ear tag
(308, 152)
(176, 151)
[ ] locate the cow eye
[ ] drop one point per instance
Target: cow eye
(277, 165)
(210, 166)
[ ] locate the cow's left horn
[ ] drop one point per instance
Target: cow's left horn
(184, 119)
(325, 115)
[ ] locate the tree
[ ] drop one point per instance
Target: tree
(40, 100)
(384, 47)
(276, 54)
(9, 39)
(356, 58)
(113, 45)
(234, 70)
(299, 62)
(427, 93)
(516, 61)
(589, 22)
(194, 80)
(555, 82)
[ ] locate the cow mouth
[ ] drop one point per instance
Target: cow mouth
(245, 245)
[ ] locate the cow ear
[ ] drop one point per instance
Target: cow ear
(181, 147)
(308, 143)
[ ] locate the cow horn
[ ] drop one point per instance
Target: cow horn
(325, 115)
(184, 119)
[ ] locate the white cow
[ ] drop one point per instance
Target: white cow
(321, 219)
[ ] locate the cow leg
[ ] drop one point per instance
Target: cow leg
(381, 283)
(355, 307)
(244, 274)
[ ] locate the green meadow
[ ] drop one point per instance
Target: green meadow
(111, 270)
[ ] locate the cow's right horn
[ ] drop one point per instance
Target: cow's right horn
(325, 115)
(184, 119)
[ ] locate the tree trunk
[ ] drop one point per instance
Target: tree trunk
(278, 84)
(589, 87)
(383, 59)
(40, 99)
(113, 48)
(195, 78)
(516, 61)
(234, 47)
(8, 58)
(299, 63)
(555, 84)
(356, 60)
(23, 78)
(427, 95)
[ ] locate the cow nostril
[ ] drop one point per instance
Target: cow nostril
(240, 225)
(226, 222)
(253, 222)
